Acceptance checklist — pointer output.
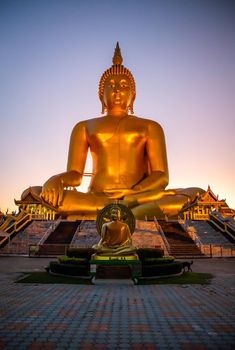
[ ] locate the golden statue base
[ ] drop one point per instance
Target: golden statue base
(115, 267)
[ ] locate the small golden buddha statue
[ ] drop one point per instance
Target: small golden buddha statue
(115, 237)
(129, 158)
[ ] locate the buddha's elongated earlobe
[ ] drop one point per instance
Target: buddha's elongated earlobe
(104, 108)
(130, 108)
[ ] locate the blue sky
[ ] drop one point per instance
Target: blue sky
(180, 52)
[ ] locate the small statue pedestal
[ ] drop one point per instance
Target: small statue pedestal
(115, 256)
(115, 267)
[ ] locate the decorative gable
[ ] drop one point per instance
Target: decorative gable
(31, 198)
(209, 197)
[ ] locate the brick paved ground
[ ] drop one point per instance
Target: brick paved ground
(116, 316)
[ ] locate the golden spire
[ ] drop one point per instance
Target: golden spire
(117, 57)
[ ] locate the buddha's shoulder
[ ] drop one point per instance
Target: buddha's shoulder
(147, 122)
(88, 122)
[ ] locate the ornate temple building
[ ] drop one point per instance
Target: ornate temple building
(31, 203)
(201, 207)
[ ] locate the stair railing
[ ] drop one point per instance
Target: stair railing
(223, 226)
(193, 235)
(8, 224)
(75, 234)
(165, 241)
(22, 222)
(52, 227)
(16, 226)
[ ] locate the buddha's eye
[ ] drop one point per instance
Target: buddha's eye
(112, 84)
(123, 84)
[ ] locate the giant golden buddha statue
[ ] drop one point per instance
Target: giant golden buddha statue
(129, 158)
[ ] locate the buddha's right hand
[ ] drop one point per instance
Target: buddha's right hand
(52, 191)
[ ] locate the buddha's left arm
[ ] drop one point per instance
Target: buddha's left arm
(156, 154)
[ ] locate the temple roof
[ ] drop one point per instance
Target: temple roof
(30, 196)
(207, 197)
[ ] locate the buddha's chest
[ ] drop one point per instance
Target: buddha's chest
(116, 133)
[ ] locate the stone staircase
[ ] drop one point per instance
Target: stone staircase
(30, 235)
(59, 239)
(181, 245)
(212, 240)
(146, 235)
(207, 233)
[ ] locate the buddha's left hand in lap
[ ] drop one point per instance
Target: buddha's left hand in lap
(119, 193)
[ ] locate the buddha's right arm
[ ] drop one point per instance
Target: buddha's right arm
(78, 148)
(53, 189)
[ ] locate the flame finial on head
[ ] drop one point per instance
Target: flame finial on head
(117, 57)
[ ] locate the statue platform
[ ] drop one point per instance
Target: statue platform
(115, 267)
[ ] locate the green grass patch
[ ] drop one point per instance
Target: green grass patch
(46, 278)
(185, 278)
(74, 261)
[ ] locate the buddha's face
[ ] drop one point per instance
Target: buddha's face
(117, 94)
(115, 214)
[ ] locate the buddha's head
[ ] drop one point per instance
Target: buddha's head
(115, 213)
(117, 87)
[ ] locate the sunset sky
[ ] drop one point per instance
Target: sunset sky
(181, 53)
